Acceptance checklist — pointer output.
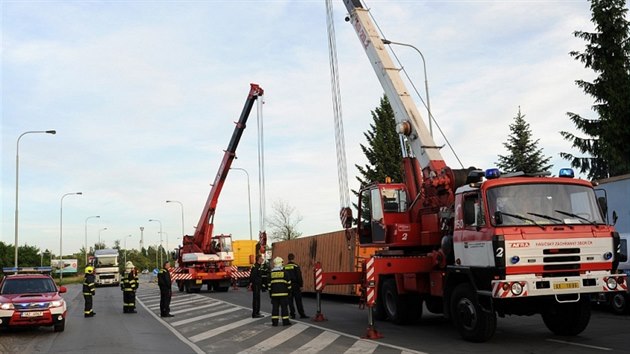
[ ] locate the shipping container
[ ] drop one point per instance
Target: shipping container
(335, 253)
(244, 253)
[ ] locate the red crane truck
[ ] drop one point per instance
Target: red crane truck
(203, 258)
(474, 244)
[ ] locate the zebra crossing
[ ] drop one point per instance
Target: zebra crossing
(209, 325)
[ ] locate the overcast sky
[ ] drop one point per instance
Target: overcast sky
(143, 95)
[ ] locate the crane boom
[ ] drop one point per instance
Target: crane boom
(203, 232)
(408, 119)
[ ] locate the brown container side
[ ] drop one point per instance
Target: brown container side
(334, 252)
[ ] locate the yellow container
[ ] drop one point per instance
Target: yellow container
(244, 253)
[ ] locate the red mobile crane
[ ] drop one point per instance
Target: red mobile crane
(472, 244)
(203, 258)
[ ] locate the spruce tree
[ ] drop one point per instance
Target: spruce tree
(607, 53)
(524, 154)
(383, 148)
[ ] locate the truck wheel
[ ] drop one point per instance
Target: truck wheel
(400, 309)
(567, 319)
(619, 303)
(473, 323)
(187, 287)
(59, 327)
(180, 286)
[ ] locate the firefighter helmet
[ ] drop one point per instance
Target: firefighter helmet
(89, 270)
(278, 261)
(129, 266)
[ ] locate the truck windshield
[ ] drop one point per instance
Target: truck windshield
(226, 244)
(106, 261)
(542, 203)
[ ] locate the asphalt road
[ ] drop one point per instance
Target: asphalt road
(221, 322)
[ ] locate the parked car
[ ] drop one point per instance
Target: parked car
(30, 298)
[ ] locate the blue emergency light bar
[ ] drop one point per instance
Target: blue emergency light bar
(493, 173)
(27, 269)
(566, 172)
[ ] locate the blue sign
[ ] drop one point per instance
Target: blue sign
(155, 271)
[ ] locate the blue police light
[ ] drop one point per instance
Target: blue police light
(493, 173)
(515, 259)
(566, 172)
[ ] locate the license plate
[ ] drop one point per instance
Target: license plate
(198, 281)
(566, 285)
(33, 314)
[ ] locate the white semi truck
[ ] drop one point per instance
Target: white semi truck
(106, 269)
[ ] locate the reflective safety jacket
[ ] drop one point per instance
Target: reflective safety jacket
(295, 274)
(129, 283)
(279, 282)
(89, 286)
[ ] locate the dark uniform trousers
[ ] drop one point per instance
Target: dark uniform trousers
(279, 288)
(89, 289)
(295, 295)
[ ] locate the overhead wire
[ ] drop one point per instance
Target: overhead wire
(340, 145)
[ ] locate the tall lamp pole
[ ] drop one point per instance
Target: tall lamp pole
(160, 237)
(249, 200)
(17, 177)
(99, 234)
(86, 244)
(426, 81)
(182, 207)
(61, 233)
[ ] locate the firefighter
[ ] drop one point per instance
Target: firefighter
(129, 286)
(256, 285)
(164, 282)
(295, 274)
(89, 290)
(279, 288)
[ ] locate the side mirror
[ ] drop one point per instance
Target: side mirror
(498, 217)
(62, 289)
(603, 205)
(615, 217)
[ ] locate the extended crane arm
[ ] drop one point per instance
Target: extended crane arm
(203, 232)
(435, 178)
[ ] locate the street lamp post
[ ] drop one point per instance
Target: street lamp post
(182, 207)
(17, 175)
(126, 249)
(249, 200)
(160, 236)
(426, 80)
(99, 234)
(61, 233)
(86, 244)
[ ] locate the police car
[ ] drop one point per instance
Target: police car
(30, 297)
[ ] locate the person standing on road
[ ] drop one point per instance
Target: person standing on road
(295, 274)
(279, 288)
(164, 282)
(129, 286)
(89, 290)
(256, 284)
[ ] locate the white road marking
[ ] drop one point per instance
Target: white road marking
(578, 344)
(203, 317)
(362, 347)
(195, 308)
(318, 343)
(277, 339)
(215, 332)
